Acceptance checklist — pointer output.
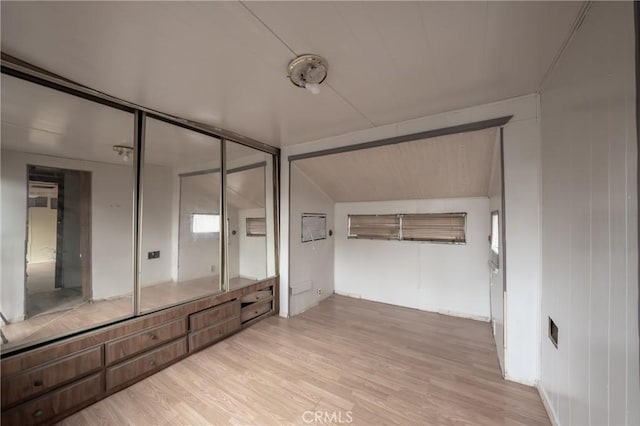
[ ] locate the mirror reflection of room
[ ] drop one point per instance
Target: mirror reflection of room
(180, 249)
(58, 236)
(250, 215)
(67, 210)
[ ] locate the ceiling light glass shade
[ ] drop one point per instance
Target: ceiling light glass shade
(308, 72)
(313, 88)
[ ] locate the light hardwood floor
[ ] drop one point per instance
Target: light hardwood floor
(86, 315)
(344, 359)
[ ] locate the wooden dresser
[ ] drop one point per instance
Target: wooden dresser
(46, 384)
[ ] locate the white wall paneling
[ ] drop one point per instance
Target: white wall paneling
(589, 224)
(497, 275)
(451, 279)
(311, 266)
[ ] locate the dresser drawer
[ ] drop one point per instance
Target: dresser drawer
(140, 342)
(54, 403)
(130, 370)
(214, 315)
(256, 296)
(39, 379)
(250, 312)
(212, 334)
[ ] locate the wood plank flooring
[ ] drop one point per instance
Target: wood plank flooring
(345, 359)
(86, 315)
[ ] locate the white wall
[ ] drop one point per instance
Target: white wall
(522, 166)
(522, 252)
(111, 226)
(589, 224)
(252, 250)
(311, 261)
(199, 254)
(497, 276)
(157, 225)
(447, 278)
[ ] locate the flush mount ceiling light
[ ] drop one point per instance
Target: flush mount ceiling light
(123, 151)
(308, 71)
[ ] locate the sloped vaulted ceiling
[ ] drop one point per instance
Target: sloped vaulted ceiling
(456, 165)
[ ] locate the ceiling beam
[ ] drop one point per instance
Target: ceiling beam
(461, 128)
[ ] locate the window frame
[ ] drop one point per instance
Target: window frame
(201, 233)
(260, 219)
(400, 233)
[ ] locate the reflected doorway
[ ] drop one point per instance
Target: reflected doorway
(58, 254)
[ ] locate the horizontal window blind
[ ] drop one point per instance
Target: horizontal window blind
(256, 227)
(433, 227)
(445, 227)
(379, 227)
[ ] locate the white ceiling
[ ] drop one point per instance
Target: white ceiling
(224, 63)
(39, 120)
(450, 166)
(245, 189)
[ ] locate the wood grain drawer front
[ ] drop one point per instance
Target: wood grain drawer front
(256, 296)
(255, 310)
(129, 370)
(37, 380)
(140, 342)
(212, 334)
(54, 403)
(214, 315)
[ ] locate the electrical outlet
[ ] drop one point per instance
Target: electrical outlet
(153, 254)
(319, 292)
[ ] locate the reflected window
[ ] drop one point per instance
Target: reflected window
(495, 239)
(205, 223)
(256, 227)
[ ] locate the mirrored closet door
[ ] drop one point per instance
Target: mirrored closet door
(67, 213)
(181, 218)
(250, 215)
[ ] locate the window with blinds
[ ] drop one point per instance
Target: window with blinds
(375, 227)
(432, 227)
(256, 227)
(439, 228)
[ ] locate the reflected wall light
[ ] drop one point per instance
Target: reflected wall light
(123, 151)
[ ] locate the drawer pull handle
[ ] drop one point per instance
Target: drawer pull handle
(37, 413)
(152, 363)
(153, 336)
(38, 382)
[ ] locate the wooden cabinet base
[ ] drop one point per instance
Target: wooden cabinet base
(44, 385)
(54, 404)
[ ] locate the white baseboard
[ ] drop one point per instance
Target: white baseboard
(461, 315)
(441, 312)
(532, 383)
(547, 405)
(351, 295)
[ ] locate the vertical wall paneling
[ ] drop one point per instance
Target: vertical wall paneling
(589, 224)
